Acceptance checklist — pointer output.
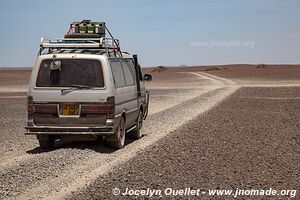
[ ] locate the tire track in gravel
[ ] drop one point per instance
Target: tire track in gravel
(177, 96)
(215, 79)
(241, 143)
(157, 127)
(55, 174)
(188, 109)
(16, 155)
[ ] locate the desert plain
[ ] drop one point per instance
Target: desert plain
(209, 127)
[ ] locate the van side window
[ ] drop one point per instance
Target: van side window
(129, 73)
(118, 74)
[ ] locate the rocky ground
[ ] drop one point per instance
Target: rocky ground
(203, 131)
(251, 140)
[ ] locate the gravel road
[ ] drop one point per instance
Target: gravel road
(27, 172)
(81, 170)
(251, 140)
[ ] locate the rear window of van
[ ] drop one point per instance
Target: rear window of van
(70, 72)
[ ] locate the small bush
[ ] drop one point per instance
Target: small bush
(261, 66)
(160, 69)
(215, 69)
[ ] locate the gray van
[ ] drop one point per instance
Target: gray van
(86, 88)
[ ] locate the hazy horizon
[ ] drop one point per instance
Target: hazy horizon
(168, 33)
(179, 66)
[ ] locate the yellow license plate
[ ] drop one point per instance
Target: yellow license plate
(68, 110)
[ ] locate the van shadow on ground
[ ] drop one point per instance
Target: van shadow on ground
(98, 146)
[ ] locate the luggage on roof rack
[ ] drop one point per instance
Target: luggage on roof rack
(86, 29)
(84, 35)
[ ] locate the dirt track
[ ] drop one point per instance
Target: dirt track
(251, 140)
(28, 172)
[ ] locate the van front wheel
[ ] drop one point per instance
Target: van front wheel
(118, 140)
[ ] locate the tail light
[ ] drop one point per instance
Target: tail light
(45, 109)
(97, 110)
(110, 102)
(30, 108)
(108, 108)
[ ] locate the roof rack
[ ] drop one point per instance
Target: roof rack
(94, 43)
(84, 35)
(108, 44)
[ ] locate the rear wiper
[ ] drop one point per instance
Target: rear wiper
(77, 87)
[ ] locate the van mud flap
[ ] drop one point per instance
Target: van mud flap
(147, 105)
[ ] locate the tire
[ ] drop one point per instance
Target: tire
(46, 142)
(136, 133)
(118, 140)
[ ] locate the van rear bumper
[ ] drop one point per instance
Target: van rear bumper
(37, 130)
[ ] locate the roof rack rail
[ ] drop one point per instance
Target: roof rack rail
(98, 43)
(108, 44)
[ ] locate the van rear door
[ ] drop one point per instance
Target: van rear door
(70, 93)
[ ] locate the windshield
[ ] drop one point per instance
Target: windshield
(69, 73)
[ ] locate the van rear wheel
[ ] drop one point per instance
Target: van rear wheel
(136, 133)
(46, 141)
(118, 140)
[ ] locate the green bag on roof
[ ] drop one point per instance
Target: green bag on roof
(86, 28)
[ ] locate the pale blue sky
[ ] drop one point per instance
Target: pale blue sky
(165, 32)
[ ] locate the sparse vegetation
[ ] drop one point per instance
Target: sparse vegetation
(160, 69)
(261, 66)
(215, 69)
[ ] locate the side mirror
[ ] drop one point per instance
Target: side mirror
(147, 77)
